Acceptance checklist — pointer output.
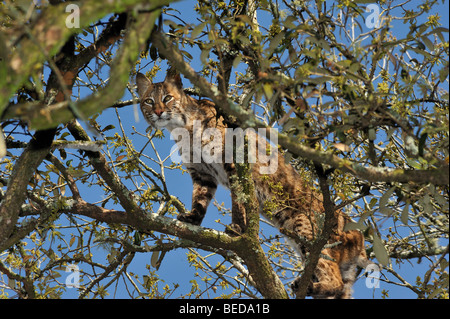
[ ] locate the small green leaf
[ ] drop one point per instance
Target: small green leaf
(154, 259)
(204, 56)
(439, 199)
(435, 293)
(275, 42)
(197, 30)
(420, 45)
(186, 54)
(428, 43)
(63, 136)
(413, 163)
(11, 283)
(380, 251)
(422, 140)
(153, 52)
(61, 182)
(425, 201)
(384, 201)
(373, 202)
(268, 90)
(443, 264)
(76, 172)
(108, 127)
(137, 238)
(237, 60)
(71, 242)
(443, 74)
(289, 22)
(404, 215)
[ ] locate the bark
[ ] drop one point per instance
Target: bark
(246, 119)
(23, 170)
(40, 116)
(64, 71)
(322, 239)
(246, 246)
(48, 34)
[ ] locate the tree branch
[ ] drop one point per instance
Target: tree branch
(321, 239)
(249, 248)
(439, 176)
(98, 161)
(41, 116)
(51, 32)
(23, 170)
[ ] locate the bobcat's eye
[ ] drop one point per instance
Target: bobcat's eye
(148, 101)
(167, 98)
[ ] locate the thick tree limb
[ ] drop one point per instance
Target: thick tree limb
(369, 173)
(38, 148)
(41, 116)
(47, 36)
(321, 240)
(23, 170)
(247, 246)
(247, 119)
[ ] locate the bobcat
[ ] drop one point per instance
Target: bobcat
(283, 198)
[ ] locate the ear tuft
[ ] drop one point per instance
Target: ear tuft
(174, 77)
(143, 83)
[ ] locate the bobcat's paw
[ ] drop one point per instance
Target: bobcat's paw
(190, 218)
(318, 290)
(310, 291)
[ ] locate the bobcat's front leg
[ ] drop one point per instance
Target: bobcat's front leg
(204, 189)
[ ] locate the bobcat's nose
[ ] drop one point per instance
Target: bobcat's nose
(158, 112)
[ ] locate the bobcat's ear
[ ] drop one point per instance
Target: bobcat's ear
(174, 78)
(143, 83)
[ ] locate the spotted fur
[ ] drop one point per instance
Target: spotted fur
(284, 198)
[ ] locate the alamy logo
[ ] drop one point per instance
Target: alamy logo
(73, 279)
(73, 19)
(373, 19)
(212, 146)
(373, 276)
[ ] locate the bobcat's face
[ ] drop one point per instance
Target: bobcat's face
(162, 103)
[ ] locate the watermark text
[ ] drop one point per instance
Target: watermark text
(231, 145)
